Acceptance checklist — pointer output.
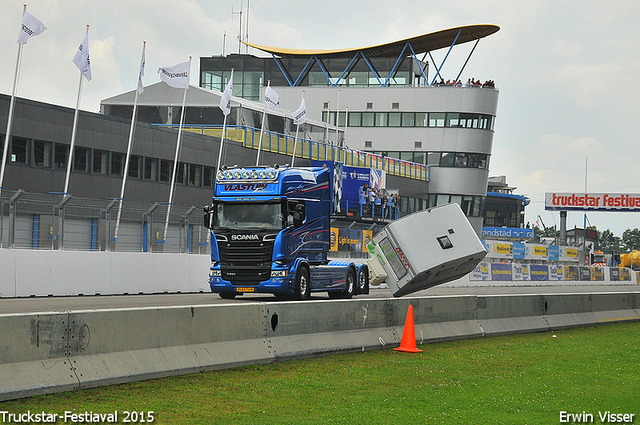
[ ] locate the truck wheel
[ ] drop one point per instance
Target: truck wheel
(351, 284)
(227, 295)
(363, 281)
(303, 284)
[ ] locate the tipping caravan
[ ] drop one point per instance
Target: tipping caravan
(426, 248)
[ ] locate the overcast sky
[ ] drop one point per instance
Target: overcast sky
(566, 70)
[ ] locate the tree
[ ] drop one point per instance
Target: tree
(549, 232)
(631, 239)
(608, 242)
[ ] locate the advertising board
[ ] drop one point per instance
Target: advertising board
(569, 201)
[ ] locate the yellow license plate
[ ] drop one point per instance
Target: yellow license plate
(245, 289)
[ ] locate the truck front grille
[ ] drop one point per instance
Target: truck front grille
(245, 262)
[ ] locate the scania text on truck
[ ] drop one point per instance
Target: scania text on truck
(270, 234)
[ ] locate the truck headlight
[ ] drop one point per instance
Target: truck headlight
(278, 273)
(215, 273)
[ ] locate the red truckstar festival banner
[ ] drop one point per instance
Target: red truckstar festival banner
(592, 201)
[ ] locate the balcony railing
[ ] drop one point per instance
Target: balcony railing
(283, 144)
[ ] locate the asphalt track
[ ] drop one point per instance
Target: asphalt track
(104, 302)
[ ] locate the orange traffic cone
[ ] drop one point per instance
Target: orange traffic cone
(408, 343)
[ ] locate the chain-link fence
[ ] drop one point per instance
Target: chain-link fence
(53, 222)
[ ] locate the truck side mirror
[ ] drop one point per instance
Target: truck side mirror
(207, 216)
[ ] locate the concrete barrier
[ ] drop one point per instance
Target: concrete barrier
(27, 273)
(59, 351)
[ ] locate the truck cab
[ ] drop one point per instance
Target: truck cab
(270, 234)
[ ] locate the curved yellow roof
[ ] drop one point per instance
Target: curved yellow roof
(421, 44)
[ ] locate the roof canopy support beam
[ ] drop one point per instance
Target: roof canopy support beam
(282, 69)
(304, 70)
(445, 58)
(395, 66)
(468, 57)
(346, 69)
(417, 62)
(375, 72)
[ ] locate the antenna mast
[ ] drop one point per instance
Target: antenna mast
(240, 30)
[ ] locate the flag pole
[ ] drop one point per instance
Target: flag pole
(73, 135)
(175, 161)
(295, 140)
(264, 113)
(224, 130)
(7, 136)
(130, 144)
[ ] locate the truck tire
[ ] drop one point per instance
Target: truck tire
(350, 290)
(303, 283)
(363, 281)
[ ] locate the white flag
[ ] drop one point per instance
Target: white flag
(81, 59)
(30, 28)
(300, 114)
(271, 98)
(225, 100)
(140, 85)
(176, 76)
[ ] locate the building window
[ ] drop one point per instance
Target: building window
(436, 119)
(81, 158)
(100, 161)
(422, 119)
(60, 154)
(208, 175)
(381, 119)
(417, 145)
(181, 174)
(369, 105)
(395, 119)
(408, 119)
(19, 150)
(151, 169)
(419, 157)
(433, 159)
(453, 119)
(447, 159)
(42, 153)
(195, 175)
(367, 119)
(368, 144)
(395, 105)
(117, 163)
(461, 160)
(165, 171)
(135, 167)
(355, 119)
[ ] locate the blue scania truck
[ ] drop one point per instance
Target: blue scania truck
(270, 233)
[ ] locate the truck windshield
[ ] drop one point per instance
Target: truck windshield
(238, 216)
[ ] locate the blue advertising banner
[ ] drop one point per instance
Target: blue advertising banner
(500, 271)
(506, 233)
(554, 253)
(353, 178)
(518, 251)
(539, 272)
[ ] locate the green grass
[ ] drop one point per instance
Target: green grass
(514, 379)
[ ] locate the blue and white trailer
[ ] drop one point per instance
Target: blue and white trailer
(270, 234)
